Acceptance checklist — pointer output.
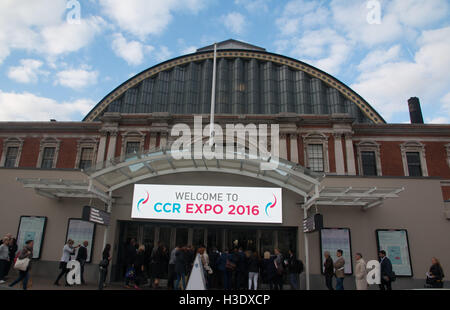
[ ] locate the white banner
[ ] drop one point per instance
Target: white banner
(207, 203)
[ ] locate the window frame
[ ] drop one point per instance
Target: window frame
(132, 136)
(47, 143)
(316, 138)
(85, 144)
(11, 142)
(369, 146)
(414, 147)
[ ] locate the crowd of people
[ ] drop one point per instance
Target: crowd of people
(231, 269)
(331, 269)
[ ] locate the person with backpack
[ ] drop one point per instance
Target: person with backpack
(294, 269)
(24, 260)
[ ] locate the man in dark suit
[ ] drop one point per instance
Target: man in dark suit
(82, 258)
(328, 270)
(386, 271)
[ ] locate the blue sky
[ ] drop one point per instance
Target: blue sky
(53, 68)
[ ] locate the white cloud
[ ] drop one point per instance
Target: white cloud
(27, 72)
(40, 26)
(234, 22)
(163, 53)
(254, 6)
(379, 57)
(189, 50)
(132, 52)
(76, 78)
(147, 17)
(388, 86)
(29, 107)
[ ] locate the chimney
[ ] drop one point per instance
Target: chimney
(415, 112)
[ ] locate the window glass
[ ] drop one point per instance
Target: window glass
(369, 163)
(132, 148)
(315, 157)
(414, 167)
(87, 156)
(11, 156)
(48, 157)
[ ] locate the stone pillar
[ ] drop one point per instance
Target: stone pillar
(351, 168)
(339, 154)
(101, 148)
(294, 148)
(112, 145)
(283, 146)
(152, 143)
(163, 139)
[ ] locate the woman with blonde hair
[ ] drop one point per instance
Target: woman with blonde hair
(435, 275)
(269, 269)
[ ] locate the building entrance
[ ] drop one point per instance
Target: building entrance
(222, 237)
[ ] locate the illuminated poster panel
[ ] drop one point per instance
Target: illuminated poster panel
(80, 231)
(333, 239)
(31, 228)
(207, 203)
(395, 243)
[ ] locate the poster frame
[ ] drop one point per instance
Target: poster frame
(43, 232)
(91, 242)
(349, 241)
(407, 243)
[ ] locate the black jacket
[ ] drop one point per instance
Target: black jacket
(329, 267)
(386, 267)
(180, 262)
(82, 254)
(437, 272)
(130, 254)
(253, 264)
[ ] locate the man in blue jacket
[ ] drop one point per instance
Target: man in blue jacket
(386, 271)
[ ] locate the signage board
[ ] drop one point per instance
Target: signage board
(313, 223)
(80, 231)
(395, 243)
(94, 215)
(333, 239)
(207, 203)
(32, 228)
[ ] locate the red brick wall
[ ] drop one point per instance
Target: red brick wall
(436, 158)
(301, 152)
(67, 153)
(331, 153)
(446, 192)
(30, 152)
(391, 158)
(118, 146)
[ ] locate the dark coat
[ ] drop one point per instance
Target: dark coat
(130, 254)
(329, 267)
(253, 264)
(82, 254)
(437, 272)
(180, 262)
(269, 269)
(222, 261)
(386, 267)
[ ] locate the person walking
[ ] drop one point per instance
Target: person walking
(4, 258)
(328, 270)
(360, 273)
(82, 258)
(180, 267)
(103, 266)
(12, 254)
(139, 266)
(24, 275)
(279, 269)
(269, 269)
(435, 275)
(386, 271)
(253, 271)
(339, 266)
(68, 251)
(130, 258)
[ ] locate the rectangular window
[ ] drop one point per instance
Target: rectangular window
(132, 148)
(315, 157)
(11, 156)
(414, 167)
(47, 158)
(87, 156)
(369, 164)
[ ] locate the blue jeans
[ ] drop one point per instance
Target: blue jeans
(180, 276)
(339, 284)
(293, 280)
(23, 276)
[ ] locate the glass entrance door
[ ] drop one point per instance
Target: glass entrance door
(244, 238)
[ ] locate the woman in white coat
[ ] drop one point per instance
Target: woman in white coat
(360, 272)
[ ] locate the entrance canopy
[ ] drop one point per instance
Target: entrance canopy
(120, 172)
(59, 188)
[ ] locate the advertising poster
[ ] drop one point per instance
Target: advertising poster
(207, 203)
(31, 228)
(333, 239)
(395, 243)
(80, 231)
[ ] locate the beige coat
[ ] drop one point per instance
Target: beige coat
(360, 275)
(339, 267)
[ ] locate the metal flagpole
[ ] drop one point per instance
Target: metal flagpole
(213, 98)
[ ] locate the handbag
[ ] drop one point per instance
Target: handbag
(230, 265)
(130, 274)
(22, 264)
